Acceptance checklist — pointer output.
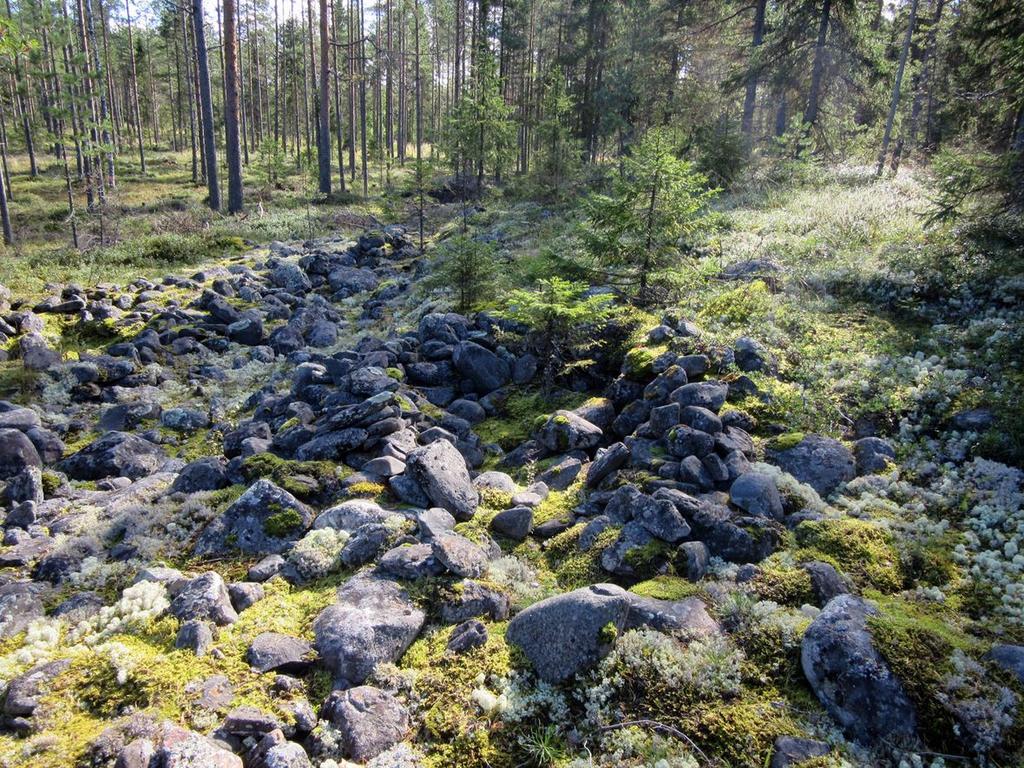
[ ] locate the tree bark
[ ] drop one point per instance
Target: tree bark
(206, 104)
(750, 98)
(135, 87)
(231, 134)
(894, 103)
(817, 71)
(324, 135)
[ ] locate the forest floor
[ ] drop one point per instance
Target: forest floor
(870, 323)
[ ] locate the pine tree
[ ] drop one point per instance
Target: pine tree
(634, 234)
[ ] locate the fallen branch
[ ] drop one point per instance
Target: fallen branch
(656, 726)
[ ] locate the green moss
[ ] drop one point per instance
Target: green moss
(575, 568)
(395, 373)
(291, 475)
(282, 523)
(917, 641)
(608, 634)
(495, 499)
(520, 413)
(639, 361)
(785, 586)
(862, 549)
(667, 588)
(558, 505)
(457, 732)
(51, 482)
(367, 489)
(739, 306)
(786, 441)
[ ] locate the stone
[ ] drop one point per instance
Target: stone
(561, 475)
(369, 721)
(687, 618)
(565, 431)
(821, 462)
(515, 523)
(684, 441)
(826, 581)
(851, 678)
(459, 555)
(245, 594)
(365, 544)
(607, 461)
(495, 481)
(661, 519)
(792, 752)
(466, 636)
(434, 521)
(291, 277)
(752, 356)
(266, 569)
(206, 474)
(204, 597)
(411, 562)
(288, 754)
(249, 721)
(184, 419)
(734, 538)
(115, 454)
(275, 652)
(472, 599)
(194, 635)
(569, 633)
(621, 558)
(1010, 658)
(706, 394)
(248, 331)
(757, 494)
(264, 520)
(373, 620)
(36, 354)
(441, 471)
(873, 455)
(484, 369)
(692, 560)
(351, 515)
(17, 453)
(24, 691)
(181, 748)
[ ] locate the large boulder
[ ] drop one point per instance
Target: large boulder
(116, 454)
(484, 369)
(204, 598)
(441, 472)
(757, 494)
(566, 431)
(369, 721)
(568, 633)
(374, 620)
(821, 462)
(16, 453)
(851, 678)
(274, 652)
(264, 520)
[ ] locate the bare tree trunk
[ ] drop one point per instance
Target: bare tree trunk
(324, 143)
(19, 89)
(750, 98)
(231, 135)
(362, 100)
(817, 71)
(339, 127)
(206, 104)
(135, 87)
(895, 101)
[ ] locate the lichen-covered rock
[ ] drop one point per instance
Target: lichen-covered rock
(368, 720)
(275, 652)
(851, 678)
(115, 454)
(479, 365)
(515, 523)
(263, 520)
(757, 494)
(821, 462)
(441, 472)
(568, 633)
(204, 597)
(566, 431)
(459, 555)
(373, 620)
